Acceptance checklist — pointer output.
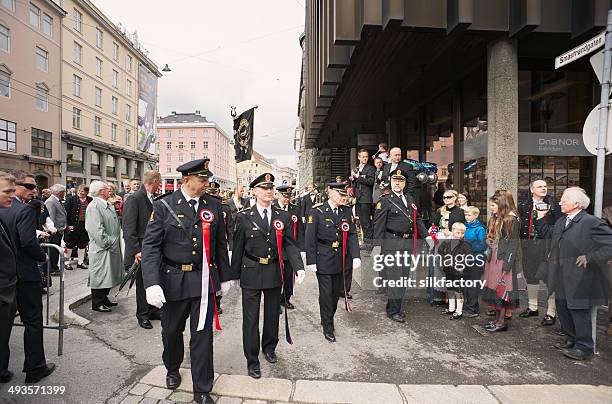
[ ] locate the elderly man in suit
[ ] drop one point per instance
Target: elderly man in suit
(105, 261)
(57, 213)
(8, 278)
(581, 247)
(20, 220)
(395, 164)
(136, 214)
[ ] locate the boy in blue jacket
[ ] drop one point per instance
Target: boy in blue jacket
(475, 234)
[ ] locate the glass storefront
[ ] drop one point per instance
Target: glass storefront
(75, 158)
(95, 163)
(110, 167)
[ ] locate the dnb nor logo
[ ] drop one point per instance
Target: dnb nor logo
(207, 216)
(294, 218)
(344, 226)
(278, 225)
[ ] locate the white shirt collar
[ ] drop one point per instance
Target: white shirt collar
(188, 198)
(331, 205)
(260, 209)
(572, 216)
(280, 205)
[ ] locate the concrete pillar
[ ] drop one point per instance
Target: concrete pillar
(103, 166)
(322, 167)
(130, 168)
(64, 167)
(502, 113)
(87, 165)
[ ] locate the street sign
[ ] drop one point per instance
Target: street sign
(590, 131)
(581, 50)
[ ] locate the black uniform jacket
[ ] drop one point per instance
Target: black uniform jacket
(324, 239)
(168, 245)
(364, 184)
(294, 221)
(253, 245)
(136, 213)
(394, 223)
(8, 266)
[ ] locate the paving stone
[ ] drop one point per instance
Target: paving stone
(149, 400)
(557, 394)
(313, 391)
(229, 400)
(131, 399)
(254, 402)
(157, 377)
(437, 393)
(158, 393)
(140, 389)
(181, 396)
(247, 387)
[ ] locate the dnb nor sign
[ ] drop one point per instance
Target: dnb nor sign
(552, 144)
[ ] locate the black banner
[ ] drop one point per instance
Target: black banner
(243, 135)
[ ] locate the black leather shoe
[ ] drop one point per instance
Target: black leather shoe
(82, 266)
(456, 316)
(447, 312)
(349, 296)
(6, 376)
(529, 313)
(548, 320)
(203, 398)
(497, 328)
(289, 305)
(564, 345)
(577, 354)
(146, 324)
(271, 357)
(173, 380)
(329, 336)
(55, 273)
(397, 317)
(37, 375)
(102, 309)
(108, 303)
(255, 373)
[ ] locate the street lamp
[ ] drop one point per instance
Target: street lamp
(166, 68)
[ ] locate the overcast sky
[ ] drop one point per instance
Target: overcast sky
(222, 53)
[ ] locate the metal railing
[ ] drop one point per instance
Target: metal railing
(60, 323)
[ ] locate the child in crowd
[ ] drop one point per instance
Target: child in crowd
(475, 235)
(454, 253)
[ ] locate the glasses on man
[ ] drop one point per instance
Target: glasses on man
(448, 197)
(27, 185)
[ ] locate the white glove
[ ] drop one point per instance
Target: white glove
(155, 296)
(430, 241)
(301, 274)
(229, 254)
(303, 255)
(226, 287)
(312, 267)
(356, 263)
(376, 250)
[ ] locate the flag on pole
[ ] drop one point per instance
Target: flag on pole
(243, 135)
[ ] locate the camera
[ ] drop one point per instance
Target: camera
(542, 206)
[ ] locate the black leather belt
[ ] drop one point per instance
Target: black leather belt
(400, 235)
(332, 244)
(183, 267)
(263, 261)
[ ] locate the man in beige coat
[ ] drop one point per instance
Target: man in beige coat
(105, 259)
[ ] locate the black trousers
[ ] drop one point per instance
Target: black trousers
(53, 253)
(472, 294)
(29, 303)
(251, 299)
(577, 325)
(173, 318)
(288, 280)
(144, 311)
(330, 290)
(7, 315)
(364, 211)
(395, 294)
(99, 297)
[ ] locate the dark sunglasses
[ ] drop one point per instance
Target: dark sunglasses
(448, 197)
(29, 186)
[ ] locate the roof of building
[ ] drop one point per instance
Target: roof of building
(189, 119)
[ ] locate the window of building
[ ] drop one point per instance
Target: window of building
(5, 41)
(48, 24)
(74, 158)
(76, 85)
(168, 169)
(78, 51)
(114, 132)
(168, 145)
(123, 166)
(180, 132)
(97, 126)
(192, 145)
(34, 16)
(9, 4)
(98, 97)
(5, 84)
(42, 59)
(169, 157)
(111, 170)
(115, 51)
(180, 158)
(128, 137)
(169, 133)
(41, 143)
(115, 78)
(78, 20)
(181, 145)
(206, 144)
(192, 155)
(98, 67)
(128, 88)
(94, 158)
(42, 98)
(76, 118)
(193, 133)
(128, 63)
(114, 103)
(99, 37)
(128, 112)
(8, 135)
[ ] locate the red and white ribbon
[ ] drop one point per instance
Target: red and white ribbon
(279, 226)
(207, 217)
(344, 228)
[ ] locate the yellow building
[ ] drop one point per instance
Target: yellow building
(100, 98)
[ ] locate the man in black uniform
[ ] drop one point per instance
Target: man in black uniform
(307, 201)
(283, 202)
(255, 262)
(363, 178)
(324, 249)
(394, 231)
(177, 266)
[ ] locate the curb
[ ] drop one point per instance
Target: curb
(70, 317)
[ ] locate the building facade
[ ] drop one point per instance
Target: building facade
(30, 83)
(101, 70)
(411, 72)
(259, 164)
(188, 136)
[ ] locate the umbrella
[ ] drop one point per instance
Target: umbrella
(130, 276)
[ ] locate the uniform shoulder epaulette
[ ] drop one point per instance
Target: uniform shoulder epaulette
(162, 196)
(318, 205)
(244, 210)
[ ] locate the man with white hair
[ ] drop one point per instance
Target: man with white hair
(57, 213)
(581, 248)
(395, 164)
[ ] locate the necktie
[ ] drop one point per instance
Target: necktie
(265, 218)
(336, 211)
(404, 200)
(567, 221)
(192, 203)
